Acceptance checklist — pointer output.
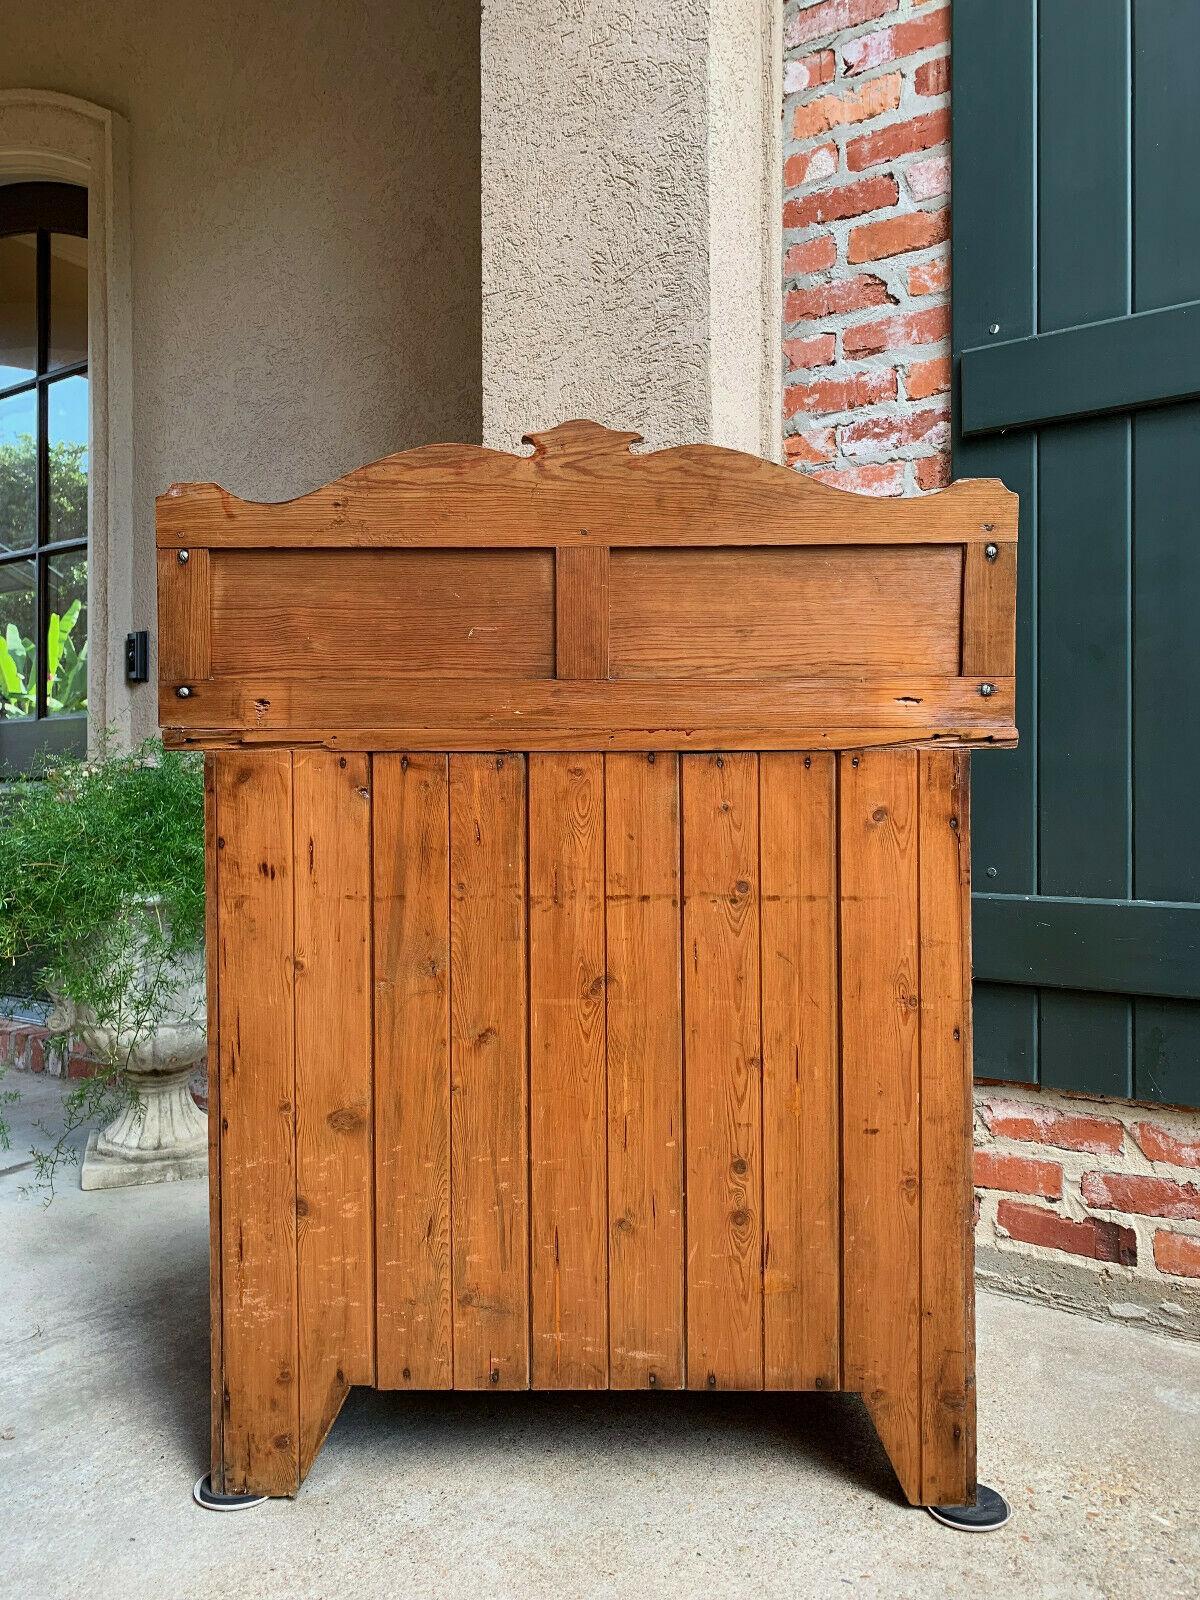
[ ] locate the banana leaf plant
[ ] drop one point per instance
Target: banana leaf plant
(66, 667)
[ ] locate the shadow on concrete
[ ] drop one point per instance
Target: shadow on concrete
(811, 1434)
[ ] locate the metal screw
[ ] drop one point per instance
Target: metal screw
(991, 551)
(987, 689)
(994, 328)
(183, 557)
(183, 692)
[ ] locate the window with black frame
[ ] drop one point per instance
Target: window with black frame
(43, 470)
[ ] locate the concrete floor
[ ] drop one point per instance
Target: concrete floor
(1092, 1431)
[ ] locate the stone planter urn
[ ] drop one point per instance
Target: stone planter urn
(159, 1133)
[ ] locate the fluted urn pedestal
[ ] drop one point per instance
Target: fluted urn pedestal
(159, 1133)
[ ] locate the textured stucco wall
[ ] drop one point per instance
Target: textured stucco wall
(304, 199)
(630, 209)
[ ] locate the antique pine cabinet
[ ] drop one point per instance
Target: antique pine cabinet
(588, 931)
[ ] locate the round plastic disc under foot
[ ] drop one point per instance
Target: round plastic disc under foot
(204, 1495)
(989, 1512)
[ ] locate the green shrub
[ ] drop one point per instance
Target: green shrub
(101, 888)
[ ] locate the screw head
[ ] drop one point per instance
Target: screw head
(183, 557)
(991, 551)
(183, 692)
(987, 690)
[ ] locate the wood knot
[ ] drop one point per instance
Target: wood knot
(345, 1120)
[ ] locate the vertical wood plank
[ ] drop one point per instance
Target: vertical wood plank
(581, 611)
(947, 1231)
(489, 1072)
(211, 949)
(569, 1254)
(184, 617)
(645, 1072)
(722, 1086)
(331, 823)
(257, 1098)
(411, 808)
(880, 1066)
(989, 641)
(801, 1111)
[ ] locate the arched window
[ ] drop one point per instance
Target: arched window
(43, 470)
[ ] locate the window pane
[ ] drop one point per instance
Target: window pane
(68, 300)
(68, 431)
(18, 679)
(18, 308)
(18, 470)
(66, 633)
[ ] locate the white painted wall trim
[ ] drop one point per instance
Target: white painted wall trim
(46, 136)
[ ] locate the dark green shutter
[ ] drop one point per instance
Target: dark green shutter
(1076, 237)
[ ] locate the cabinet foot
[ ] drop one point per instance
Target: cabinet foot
(205, 1495)
(990, 1511)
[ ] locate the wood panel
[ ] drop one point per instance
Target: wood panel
(437, 613)
(801, 1110)
(645, 1072)
(581, 611)
(989, 640)
(880, 1106)
(754, 615)
(216, 1365)
(331, 822)
(581, 486)
(567, 1081)
(947, 1229)
(723, 1071)
(489, 1072)
(412, 1073)
(381, 713)
(184, 617)
(257, 1099)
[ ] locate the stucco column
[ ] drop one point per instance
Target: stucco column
(631, 213)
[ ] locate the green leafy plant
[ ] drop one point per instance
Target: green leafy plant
(102, 890)
(66, 667)
(66, 650)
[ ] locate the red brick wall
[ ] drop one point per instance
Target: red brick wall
(1102, 1181)
(866, 238)
(1105, 1191)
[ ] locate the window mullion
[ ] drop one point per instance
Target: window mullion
(42, 474)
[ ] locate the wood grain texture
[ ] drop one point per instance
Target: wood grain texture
(489, 1072)
(331, 823)
(723, 1071)
(880, 1106)
(381, 713)
(184, 618)
(567, 1083)
(947, 1224)
(989, 638)
(581, 486)
(645, 1072)
(257, 1101)
(801, 1110)
(757, 615)
(216, 1366)
(411, 808)
(581, 611)
(417, 613)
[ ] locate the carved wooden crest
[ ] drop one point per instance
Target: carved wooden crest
(586, 596)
